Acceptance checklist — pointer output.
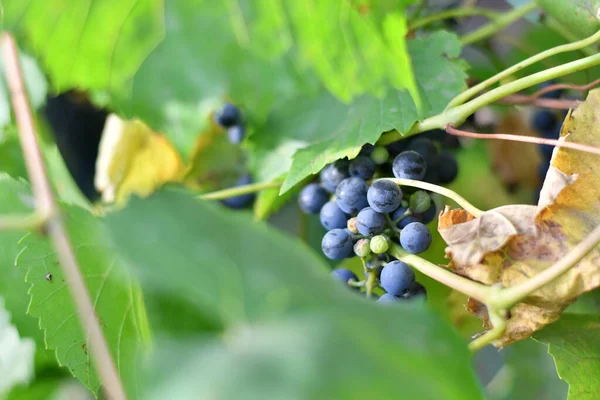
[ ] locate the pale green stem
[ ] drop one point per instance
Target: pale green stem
(497, 24)
(453, 13)
(467, 94)
(471, 288)
(498, 321)
(506, 298)
(370, 283)
(461, 201)
(457, 115)
(29, 222)
(239, 190)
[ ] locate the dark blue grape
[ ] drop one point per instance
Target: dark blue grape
(228, 116)
(409, 165)
(430, 214)
(332, 217)
(546, 152)
(236, 134)
(433, 174)
(333, 174)
(387, 298)
(366, 150)
(343, 275)
(351, 195)
(337, 244)
(447, 167)
(542, 170)
(426, 148)
(369, 222)
(544, 120)
(416, 290)
(396, 148)
(407, 219)
(384, 196)
(312, 198)
(241, 201)
(415, 237)
(362, 167)
(397, 277)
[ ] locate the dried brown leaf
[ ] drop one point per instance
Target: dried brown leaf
(508, 245)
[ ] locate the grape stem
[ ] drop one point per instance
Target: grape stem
(48, 217)
(30, 222)
(456, 115)
(509, 297)
(239, 190)
(372, 277)
(471, 288)
(498, 320)
(454, 13)
(525, 139)
(471, 92)
(461, 201)
(497, 24)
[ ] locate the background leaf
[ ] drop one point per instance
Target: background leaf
(574, 342)
(252, 281)
(259, 52)
(325, 129)
(115, 297)
(577, 16)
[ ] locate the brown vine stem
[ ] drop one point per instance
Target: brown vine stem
(558, 86)
(47, 206)
(556, 104)
(525, 139)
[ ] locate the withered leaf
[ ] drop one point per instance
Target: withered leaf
(508, 245)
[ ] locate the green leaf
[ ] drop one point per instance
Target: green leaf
(288, 329)
(64, 35)
(115, 297)
(588, 303)
(16, 198)
(319, 130)
(154, 62)
(11, 156)
(578, 16)
(574, 342)
(35, 84)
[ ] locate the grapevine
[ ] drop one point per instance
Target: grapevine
(285, 200)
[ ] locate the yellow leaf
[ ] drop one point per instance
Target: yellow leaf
(133, 159)
(508, 245)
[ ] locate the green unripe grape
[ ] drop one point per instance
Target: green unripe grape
(379, 244)
(361, 248)
(419, 202)
(379, 155)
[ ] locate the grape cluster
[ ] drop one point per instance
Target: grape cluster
(230, 117)
(547, 123)
(363, 215)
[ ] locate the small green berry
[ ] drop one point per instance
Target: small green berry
(361, 248)
(351, 225)
(379, 244)
(379, 155)
(419, 202)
